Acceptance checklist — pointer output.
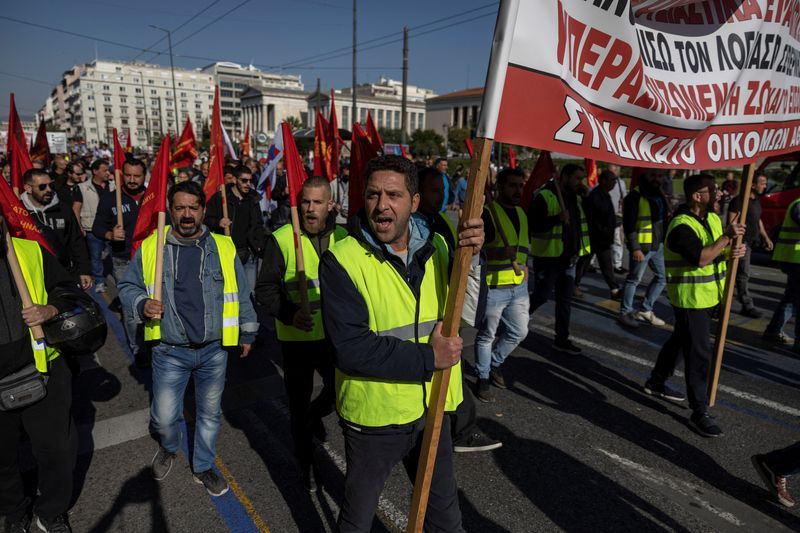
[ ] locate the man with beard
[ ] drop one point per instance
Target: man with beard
(340, 191)
(507, 301)
(105, 221)
(696, 254)
(69, 192)
(302, 337)
(244, 220)
(385, 289)
(90, 193)
(205, 310)
(644, 218)
(58, 224)
(558, 239)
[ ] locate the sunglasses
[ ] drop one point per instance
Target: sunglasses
(244, 180)
(44, 186)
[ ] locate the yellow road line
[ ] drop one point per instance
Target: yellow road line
(241, 496)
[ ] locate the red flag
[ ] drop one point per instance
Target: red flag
(216, 161)
(119, 153)
(541, 174)
(591, 172)
(333, 124)
(361, 151)
(295, 173)
(15, 127)
(321, 147)
(403, 151)
(16, 142)
(185, 152)
(512, 158)
(335, 141)
(155, 198)
(40, 151)
(373, 135)
(470, 149)
(246, 143)
(128, 145)
(18, 220)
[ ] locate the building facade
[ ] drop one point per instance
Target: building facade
(459, 109)
(264, 108)
(94, 98)
(383, 100)
(234, 80)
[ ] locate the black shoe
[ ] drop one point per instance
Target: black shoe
(56, 525)
(496, 377)
(21, 525)
(663, 391)
(705, 425)
(162, 463)
(308, 478)
(483, 391)
(215, 485)
(620, 270)
(566, 346)
(751, 312)
(477, 442)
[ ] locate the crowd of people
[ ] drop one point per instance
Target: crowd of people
(364, 308)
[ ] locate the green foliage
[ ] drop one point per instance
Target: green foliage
(205, 143)
(294, 122)
(390, 135)
(456, 138)
(426, 142)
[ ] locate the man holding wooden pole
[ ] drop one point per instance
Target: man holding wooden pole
(385, 287)
(695, 257)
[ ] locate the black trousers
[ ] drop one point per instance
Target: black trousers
(464, 417)
(550, 273)
(300, 360)
(371, 456)
(784, 462)
(54, 441)
(605, 260)
(743, 279)
(690, 338)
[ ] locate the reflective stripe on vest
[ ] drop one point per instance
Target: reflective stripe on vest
(284, 236)
(690, 286)
(230, 288)
(500, 273)
(551, 243)
(644, 221)
(29, 255)
(394, 311)
(787, 247)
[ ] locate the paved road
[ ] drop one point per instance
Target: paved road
(584, 447)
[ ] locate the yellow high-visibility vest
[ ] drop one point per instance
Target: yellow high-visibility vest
(787, 247)
(550, 243)
(500, 272)
(644, 221)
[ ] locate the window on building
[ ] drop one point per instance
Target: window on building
(150, 82)
(226, 94)
(106, 88)
(169, 113)
(154, 101)
(380, 118)
(123, 110)
(93, 130)
(107, 109)
(421, 122)
(106, 98)
(124, 121)
(183, 95)
(91, 108)
(345, 115)
(138, 90)
(363, 114)
(226, 104)
(140, 101)
(413, 121)
(90, 97)
(118, 69)
(225, 84)
(123, 100)
(122, 88)
(180, 84)
(153, 91)
(140, 133)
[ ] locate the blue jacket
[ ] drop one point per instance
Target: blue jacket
(132, 294)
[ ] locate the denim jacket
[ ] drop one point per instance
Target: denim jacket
(132, 294)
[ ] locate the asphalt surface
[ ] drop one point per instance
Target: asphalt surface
(584, 448)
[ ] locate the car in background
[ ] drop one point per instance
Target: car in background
(783, 187)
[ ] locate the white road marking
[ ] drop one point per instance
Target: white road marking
(644, 362)
(113, 431)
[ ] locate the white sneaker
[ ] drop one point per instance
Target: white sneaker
(649, 316)
(100, 287)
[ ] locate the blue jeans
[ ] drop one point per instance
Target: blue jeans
(788, 304)
(509, 306)
(655, 259)
(96, 247)
(251, 271)
(172, 367)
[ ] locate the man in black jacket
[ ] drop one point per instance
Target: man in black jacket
(602, 219)
(58, 224)
(48, 422)
(244, 220)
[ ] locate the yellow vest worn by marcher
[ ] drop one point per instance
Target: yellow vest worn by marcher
(394, 311)
(284, 236)
(551, 243)
(644, 220)
(499, 272)
(29, 255)
(787, 247)
(690, 286)
(230, 287)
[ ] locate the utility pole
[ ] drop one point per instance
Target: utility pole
(172, 70)
(403, 119)
(355, 115)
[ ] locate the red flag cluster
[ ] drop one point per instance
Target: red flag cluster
(326, 143)
(185, 149)
(119, 153)
(216, 151)
(155, 197)
(40, 151)
(361, 151)
(373, 135)
(17, 148)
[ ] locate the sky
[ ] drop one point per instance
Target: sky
(449, 40)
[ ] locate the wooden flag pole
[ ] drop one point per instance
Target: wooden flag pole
(19, 281)
(118, 192)
(159, 275)
(452, 319)
(499, 228)
(224, 197)
(730, 280)
(300, 264)
(558, 193)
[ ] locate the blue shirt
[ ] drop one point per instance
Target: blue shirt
(446, 181)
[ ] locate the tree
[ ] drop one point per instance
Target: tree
(205, 142)
(426, 142)
(294, 122)
(456, 138)
(390, 135)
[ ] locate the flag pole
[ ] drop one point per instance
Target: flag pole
(300, 265)
(730, 279)
(224, 197)
(19, 281)
(118, 192)
(452, 319)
